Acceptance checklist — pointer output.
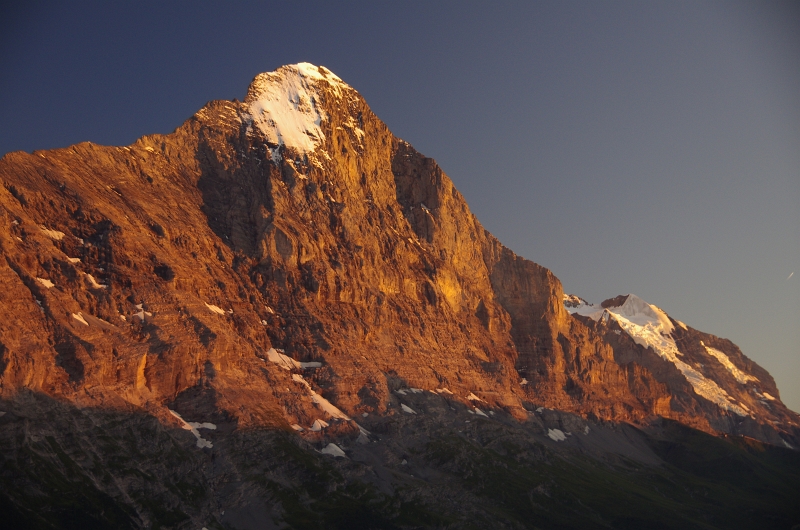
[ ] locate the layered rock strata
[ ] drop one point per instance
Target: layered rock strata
(172, 273)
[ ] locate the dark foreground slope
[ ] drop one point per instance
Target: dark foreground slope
(95, 468)
(189, 320)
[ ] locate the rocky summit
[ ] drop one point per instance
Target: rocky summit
(282, 316)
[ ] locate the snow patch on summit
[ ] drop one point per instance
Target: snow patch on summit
(284, 105)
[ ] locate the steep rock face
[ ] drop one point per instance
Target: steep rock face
(711, 384)
(566, 365)
(197, 270)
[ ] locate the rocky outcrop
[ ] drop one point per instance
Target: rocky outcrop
(710, 384)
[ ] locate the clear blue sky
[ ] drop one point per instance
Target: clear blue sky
(645, 147)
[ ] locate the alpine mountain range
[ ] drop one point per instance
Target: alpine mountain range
(281, 315)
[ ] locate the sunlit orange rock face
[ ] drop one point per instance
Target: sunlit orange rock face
(163, 274)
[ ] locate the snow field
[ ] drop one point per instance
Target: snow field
(649, 326)
(194, 427)
(46, 283)
(284, 106)
(740, 376)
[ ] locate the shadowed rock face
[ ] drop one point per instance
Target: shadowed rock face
(179, 262)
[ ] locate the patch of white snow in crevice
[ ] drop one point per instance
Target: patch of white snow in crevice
(310, 364)
(93, 283)
(771, 398)
(333, 450)
(275, 154)
(557, 435)
(328, 407)
(320, 401)
(444, 391)
(297, 378)
(142, 313)
(52, 234)
(73, 260)
(193, 426)
(285, 105)
(350, 123)
(79, 317)
(284, 361)
(46, 283)
(740, 376)
(407, 409)
(287, 363)
(649, 326)
(473, 397)
(215, 309)
(480, 412)
(318, 425)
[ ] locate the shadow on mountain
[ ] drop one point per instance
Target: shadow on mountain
(69, 467)
(235, 193)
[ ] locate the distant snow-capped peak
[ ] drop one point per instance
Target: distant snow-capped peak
(572, 301)
(649, 326)
(643, 314)
(630, 307)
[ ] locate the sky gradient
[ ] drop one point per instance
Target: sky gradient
(644, 147)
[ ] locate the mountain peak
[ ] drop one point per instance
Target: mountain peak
(308, 72)
(718, 373)
(281, 281)
(285, 105)
(637, 310)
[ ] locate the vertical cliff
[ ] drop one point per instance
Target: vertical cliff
(177, 269)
